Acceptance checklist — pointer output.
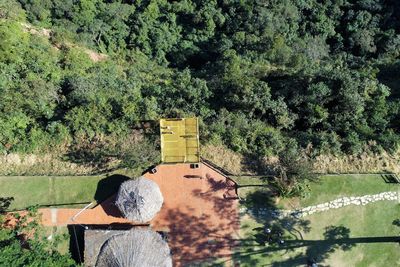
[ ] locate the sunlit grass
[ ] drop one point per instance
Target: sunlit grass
(373, 220)
(63, 191)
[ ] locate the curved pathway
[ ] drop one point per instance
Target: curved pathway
(334, 204)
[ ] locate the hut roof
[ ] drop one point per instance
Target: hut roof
(94, 240)
(139, 199)
(139, 247)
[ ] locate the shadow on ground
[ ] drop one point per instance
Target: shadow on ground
(390, 178)
(285, 235)
(5, 203)
(201, 235)
(76, 242)
(109, 186)
(90, 155)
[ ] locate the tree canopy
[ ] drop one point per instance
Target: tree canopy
(260, 74)
(22, 243)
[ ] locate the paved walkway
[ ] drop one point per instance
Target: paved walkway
(199, 214)
(104, 214)
(335, 204)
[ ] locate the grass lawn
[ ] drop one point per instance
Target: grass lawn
(374, 220)
(331, 187)
(349, 236)
(249, 184)
(66, 191)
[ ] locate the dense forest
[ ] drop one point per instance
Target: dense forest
(263, 76)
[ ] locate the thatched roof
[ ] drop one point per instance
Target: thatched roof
(94, 240)
(139, 199)
(139, 247)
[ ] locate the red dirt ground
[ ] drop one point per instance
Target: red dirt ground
(201, 222)
(200, 212)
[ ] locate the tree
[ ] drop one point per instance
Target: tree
(22, 242)
(142, 154)
(293, 172)
(257, 72)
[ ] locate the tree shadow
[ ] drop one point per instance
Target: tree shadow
(198, 239)
(253, 163)
(109, 186)
(283, 233)
(90, 155)
(5, 203)
(259, 199)
(222, 196)
(216, 185)
(321, 250)
(203, 233)
(387, 75)
(317, 251)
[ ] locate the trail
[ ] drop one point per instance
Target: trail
(93, 55)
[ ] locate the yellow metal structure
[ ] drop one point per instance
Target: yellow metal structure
(180, 140)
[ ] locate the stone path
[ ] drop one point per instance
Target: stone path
(334, 204)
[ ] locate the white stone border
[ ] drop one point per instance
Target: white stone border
(334, 204)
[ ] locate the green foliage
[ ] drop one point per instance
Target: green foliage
(23, 244)
(13, 39)
(293, 173)
(259, 74)
(144, 153)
